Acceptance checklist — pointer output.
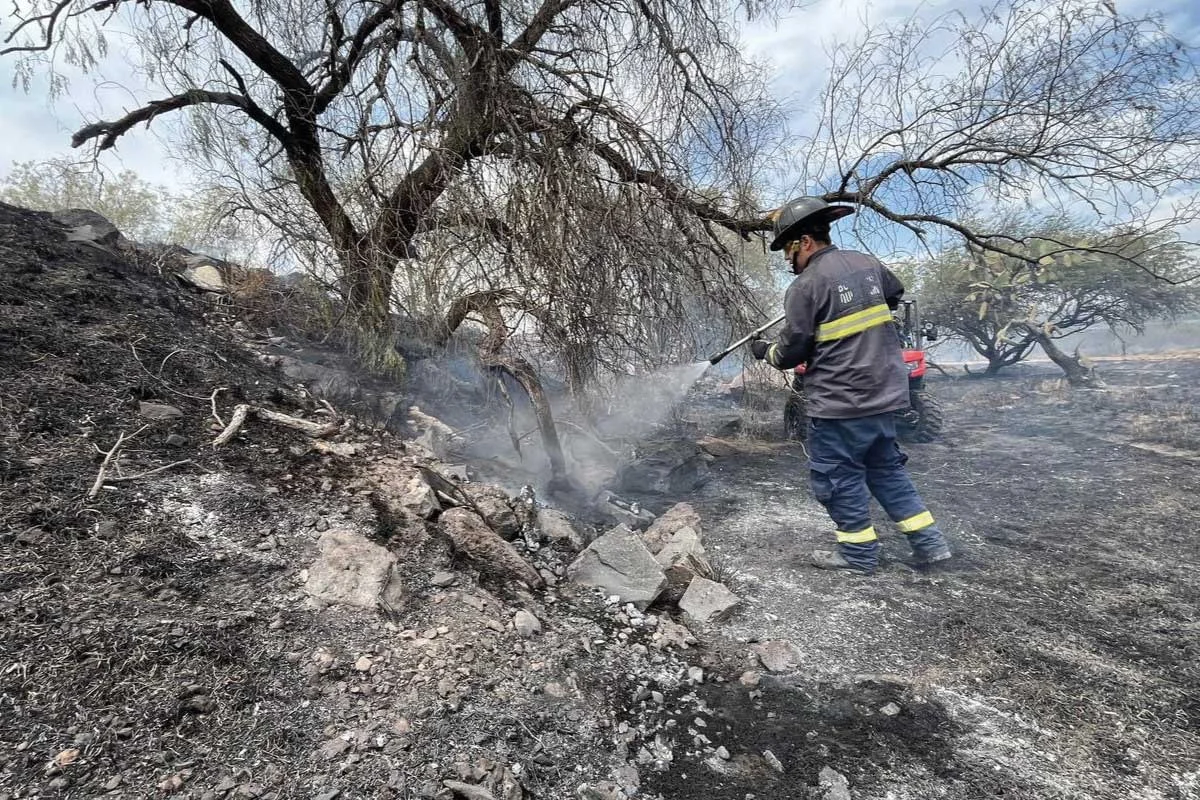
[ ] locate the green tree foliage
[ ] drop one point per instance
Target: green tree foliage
(1003, 306)
(139, 209)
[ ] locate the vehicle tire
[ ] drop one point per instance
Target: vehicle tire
(795, 417)
(923, 421)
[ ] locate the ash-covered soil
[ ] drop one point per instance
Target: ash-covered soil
(1063, 642)
(156, 640)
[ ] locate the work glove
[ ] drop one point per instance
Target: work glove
(759, 347)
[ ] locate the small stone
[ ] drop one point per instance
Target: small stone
(175, 440)
(890, 710)
(707, 601)
(443, 579)
(158, 411)
(322, 525)
(779, 655)
(771, 759)
(468, 790)
(555, 690)
(526, 624)
(112, 783)
(835, 784)
(750, 679)
(722, 753)
(695, 675)
(363, 664)
(334, 748)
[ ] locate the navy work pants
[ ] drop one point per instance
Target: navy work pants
(853, 459)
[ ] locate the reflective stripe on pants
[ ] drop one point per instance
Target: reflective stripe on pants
(853, 460)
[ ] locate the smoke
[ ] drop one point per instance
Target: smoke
(637, 405)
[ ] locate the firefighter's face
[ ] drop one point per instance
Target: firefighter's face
(798, 252)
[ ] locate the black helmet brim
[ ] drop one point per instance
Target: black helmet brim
(827, 214)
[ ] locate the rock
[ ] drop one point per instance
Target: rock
(771, 759)
(158, 411)
(555, 690)
(723, 753)
(750, 679)
(556, 527)
(434, 435)
(456, 472)
(627, 778)
(890, 710)
(695, 675)
(205, 277)
(443, 579)
(353, 571)
(835, 784)
(672, 634)
(417, 498)
(681, 547)
(363, 664)
(495, 507)
(677, 517)
(604, 790)
(667, 467)
(779, 655)
(707, 601)
(339, 449)
(682, 558)
(621, 565)
(483, 546)
(334, 748)
(623, 512)
(526, 624)
(87, 226)
(468, 790)
(175, 440)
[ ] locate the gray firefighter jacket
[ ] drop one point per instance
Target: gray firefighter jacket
(839, 324)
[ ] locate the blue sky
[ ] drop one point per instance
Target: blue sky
(795, 46)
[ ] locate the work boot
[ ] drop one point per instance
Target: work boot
(830, 559)
(928, 559)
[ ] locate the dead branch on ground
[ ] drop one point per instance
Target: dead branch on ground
(108, 457)
(316, 430)
(147, 473)
(235, 424)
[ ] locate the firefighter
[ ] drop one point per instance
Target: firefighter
(839, 324)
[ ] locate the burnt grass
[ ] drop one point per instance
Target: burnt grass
(1064, 639)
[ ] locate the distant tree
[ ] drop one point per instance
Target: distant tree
(135, 206)
(1066, 108)
(1003, 309)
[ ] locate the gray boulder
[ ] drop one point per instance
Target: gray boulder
(84, 225)
(353, 571)
(671, 467)
(707, 601)
(621, 565)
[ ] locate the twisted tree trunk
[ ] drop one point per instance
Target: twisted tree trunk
(488, 305)
(1078, 373)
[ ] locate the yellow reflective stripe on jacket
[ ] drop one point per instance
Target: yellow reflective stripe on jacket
(856, 537)
(915, 522)
(854, 323)
(773, 355)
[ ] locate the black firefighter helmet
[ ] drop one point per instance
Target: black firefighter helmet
(791, 219)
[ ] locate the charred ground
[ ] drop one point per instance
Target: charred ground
(155, 639)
